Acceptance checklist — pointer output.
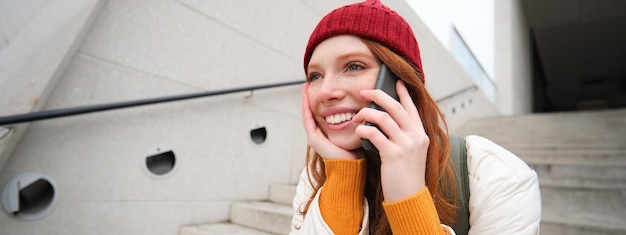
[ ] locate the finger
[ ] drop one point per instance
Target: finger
(382, 119)
(407, 102)
(393, 107)
(374, 135)
(415, 125)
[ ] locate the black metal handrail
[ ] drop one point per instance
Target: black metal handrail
(49, 114)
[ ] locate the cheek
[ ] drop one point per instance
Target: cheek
(312, 96)
(314, 104)
(366, 85)
(367, 81)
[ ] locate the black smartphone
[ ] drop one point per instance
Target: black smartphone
(386, 82)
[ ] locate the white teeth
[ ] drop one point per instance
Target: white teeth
(339, 118)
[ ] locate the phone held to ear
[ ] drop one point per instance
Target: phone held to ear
(386, 82)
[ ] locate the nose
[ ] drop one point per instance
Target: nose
(331, 89)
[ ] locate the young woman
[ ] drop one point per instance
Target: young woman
(408, 187)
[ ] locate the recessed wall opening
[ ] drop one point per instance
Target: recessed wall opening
(35, 197)
(29, 196)
(258, 135)
(161, 163)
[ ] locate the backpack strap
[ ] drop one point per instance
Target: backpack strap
(458, 153)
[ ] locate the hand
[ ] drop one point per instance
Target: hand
(316, 138)
(403, 151)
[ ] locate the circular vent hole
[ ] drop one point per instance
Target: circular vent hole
(258, 135)
(161, 163)
(35, 197)
(29, 196)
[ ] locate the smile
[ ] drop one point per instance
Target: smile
(339, 118)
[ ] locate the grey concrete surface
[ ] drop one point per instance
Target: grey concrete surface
(136, 49)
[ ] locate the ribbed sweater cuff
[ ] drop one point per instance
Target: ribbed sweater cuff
(344, 186)
(414, 215)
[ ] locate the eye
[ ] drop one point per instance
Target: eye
(313, 76)
(353, 66)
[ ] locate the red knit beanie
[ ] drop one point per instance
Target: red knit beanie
(371, 20)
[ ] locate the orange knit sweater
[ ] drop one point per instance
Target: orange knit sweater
(342, 197)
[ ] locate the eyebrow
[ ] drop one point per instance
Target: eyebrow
(347, 56)
(358, 54)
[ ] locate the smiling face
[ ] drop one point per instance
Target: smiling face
(340, 67)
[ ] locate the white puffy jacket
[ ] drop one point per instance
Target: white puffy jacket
(504, 195)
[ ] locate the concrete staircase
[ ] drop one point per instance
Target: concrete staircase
(253, 218)
(580, 159)
(581, 162)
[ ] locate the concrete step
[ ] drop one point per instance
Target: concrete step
(580, 159)
(549, 140)
(599, 126)
(219, 229)
(566, 157)
(586, 177)
(264, 216)
(503, 128)
(547, 122)
(564, 143)
(250, 218)
(555, 228)
(282, 194)
(566, 151)
(599, 210)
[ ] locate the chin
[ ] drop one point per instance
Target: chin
(347, 143)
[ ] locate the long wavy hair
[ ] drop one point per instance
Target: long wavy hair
(440, 178)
